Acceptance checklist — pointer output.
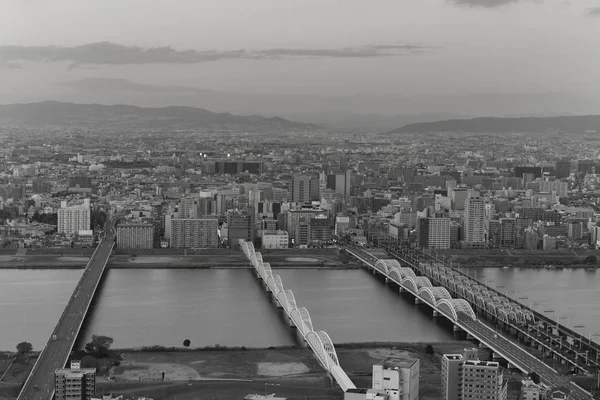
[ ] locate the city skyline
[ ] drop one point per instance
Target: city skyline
(395, 51)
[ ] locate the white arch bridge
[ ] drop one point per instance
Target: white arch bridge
(318, 341)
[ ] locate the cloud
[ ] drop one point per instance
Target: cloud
(124, 85)
(106, 53)
(593, 12)
(484, 3)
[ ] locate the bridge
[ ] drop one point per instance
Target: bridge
(319, 341)
(418, 279)
(55, 354)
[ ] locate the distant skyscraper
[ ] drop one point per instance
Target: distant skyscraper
(474, 222)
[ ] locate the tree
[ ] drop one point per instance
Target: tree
(99, 345)
(429, 349)
(187, 342)
(534, 377)
(24, 347)
(590, 259)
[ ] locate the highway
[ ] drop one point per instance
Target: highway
(40, 383)
(504, 347)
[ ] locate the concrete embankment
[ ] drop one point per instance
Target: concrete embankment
(210, 259)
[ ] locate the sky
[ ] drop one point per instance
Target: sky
(362, 54)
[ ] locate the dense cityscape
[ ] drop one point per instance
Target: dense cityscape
(299, 200)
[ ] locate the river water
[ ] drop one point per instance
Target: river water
(228, 307)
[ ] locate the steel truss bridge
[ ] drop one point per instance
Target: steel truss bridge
(319, 341)
(418, 279)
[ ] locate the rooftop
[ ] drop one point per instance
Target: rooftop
(396, 362)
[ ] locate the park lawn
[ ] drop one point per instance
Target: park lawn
(230, 364)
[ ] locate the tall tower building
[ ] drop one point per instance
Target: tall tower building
(301, 189)
(434, 233)
(240, 225)
(474, 222)
(73, 219)
(452, 376)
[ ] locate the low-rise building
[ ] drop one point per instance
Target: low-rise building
(275, 239)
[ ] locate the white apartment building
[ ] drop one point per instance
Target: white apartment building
(275, 239)
(73, 219)
(135, 236)
(194, 233)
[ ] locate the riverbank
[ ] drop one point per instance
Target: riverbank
(216, 258)
(284, 367)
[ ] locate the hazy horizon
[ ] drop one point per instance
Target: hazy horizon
(394, 57)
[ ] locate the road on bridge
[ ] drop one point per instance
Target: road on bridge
(496, 341)
(40, 383)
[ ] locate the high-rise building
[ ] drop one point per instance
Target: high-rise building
(240, 225)
(135, 236)
(464, 377)
(474, 222)
(73, 219)
(452, 376)
(320, 229)
(195, 233)
(74, 383)
(434, 233)
(293, 216)
(301, 189)
(483, 380)
(302, 235)
(507, 233)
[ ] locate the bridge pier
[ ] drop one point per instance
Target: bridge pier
(436, 313)
(456, 328)
(291, 323)
(268, 290)
(401, 289)
(387, 280)
(417, 300)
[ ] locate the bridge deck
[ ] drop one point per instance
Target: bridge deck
(40, 383)
(505, 348)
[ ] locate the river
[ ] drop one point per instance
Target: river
(143, 307)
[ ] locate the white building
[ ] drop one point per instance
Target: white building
(275, 239)
(73, 219)
(398, 378)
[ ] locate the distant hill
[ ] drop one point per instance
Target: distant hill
(569, 124)
(58, 114)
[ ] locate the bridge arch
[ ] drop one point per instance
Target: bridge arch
(385, 265)
(278, 284)
(301, 314)
(259, 258)
(291, 299)
(422, 281)
(452, 308)
(314, 341)
(267, 268)
(271, 284)
(328, 346)
(410, 284)
(283, 300)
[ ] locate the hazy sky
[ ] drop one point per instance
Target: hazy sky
(50, 48)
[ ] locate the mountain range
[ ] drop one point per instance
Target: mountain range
(59, 114)
(569, 124)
